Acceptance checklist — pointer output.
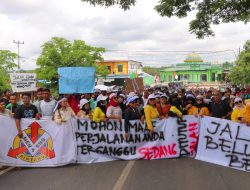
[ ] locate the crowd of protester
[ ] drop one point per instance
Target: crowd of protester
(152, 103)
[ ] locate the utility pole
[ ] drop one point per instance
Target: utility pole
(18, 57)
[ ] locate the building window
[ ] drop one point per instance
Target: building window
(180, 77)
(213, 76)
(204, 77)
(120, 68)
(186, 77)
(219, 77)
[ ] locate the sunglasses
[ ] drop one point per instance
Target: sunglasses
(239, 102)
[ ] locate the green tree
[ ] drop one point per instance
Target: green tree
(7, 64)
(153, 70)
(239, 74)
(59, 52)
(208, 12)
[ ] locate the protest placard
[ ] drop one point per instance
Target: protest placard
(74, 80)
(134, 85)
(47, 144)
(98, 142)
(225, 143)
(23, 82)
(44, 143)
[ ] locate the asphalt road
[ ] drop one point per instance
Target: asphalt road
(183, 174)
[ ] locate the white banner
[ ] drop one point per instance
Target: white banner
(225, 143)
(23, 82)
(44, 143)
(99, 142)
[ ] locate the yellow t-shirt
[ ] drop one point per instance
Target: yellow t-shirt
(150, 113)
(98, 115)
(236, 113)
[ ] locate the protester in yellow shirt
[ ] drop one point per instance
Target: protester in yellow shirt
(196, 107)
(189, 106)
(201, 106)
(238, 108)
(151, 112)
(100, 110)
(245, 114)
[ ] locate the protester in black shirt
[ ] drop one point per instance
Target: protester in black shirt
(26, 110)
(131, 113)
(219, 108)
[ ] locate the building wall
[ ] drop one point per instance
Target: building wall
(114, 67)
(124, 68)
(134, 66)
(194, 76)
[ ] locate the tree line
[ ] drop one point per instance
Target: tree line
(60, 52)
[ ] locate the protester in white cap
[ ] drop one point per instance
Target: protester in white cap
(97, 92)
(131, 113)
(157, 98)
(201, 107)
(63, 112)
(100, 110)
(113, 109)
(151, 112)
(239, 106)
(85, 110)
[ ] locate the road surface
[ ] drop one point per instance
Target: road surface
(177, 174)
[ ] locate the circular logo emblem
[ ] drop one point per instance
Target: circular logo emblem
(35, 146)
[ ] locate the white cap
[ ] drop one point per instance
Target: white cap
(97, 90)
(164, 95)
(132, 99)
(122, 95)
(237, 99)
(190, 96)
(157, 95)
(131, 94)
(199, 97)
(101, 97)
(83, 102)
(151, 96)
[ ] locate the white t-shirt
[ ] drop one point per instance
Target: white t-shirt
(115, 111)
(46, 108)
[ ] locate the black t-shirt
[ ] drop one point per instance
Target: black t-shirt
(131, 114)
(26, 112)
(219, 110)
(14, 108)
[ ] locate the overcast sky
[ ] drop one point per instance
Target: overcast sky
(140, 32)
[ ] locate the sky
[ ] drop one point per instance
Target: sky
(138, 34)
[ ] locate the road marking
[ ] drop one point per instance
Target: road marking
(6, 170)
(121, 180)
